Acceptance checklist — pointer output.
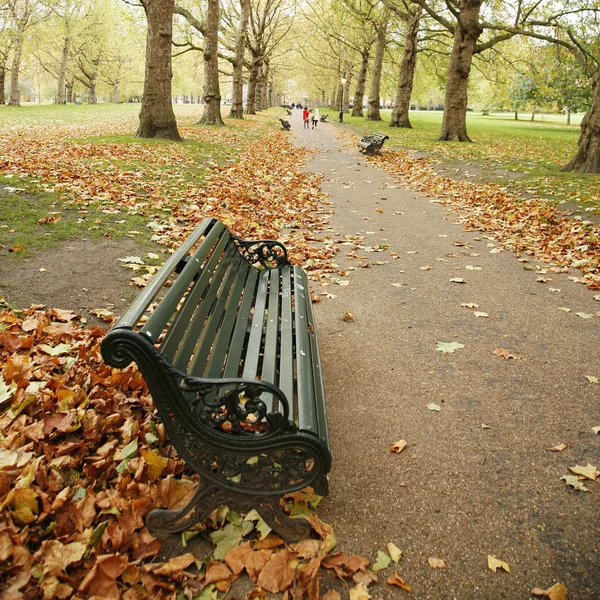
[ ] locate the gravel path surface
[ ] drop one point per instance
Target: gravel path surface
(478, 477)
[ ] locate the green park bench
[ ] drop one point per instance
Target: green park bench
(285, 125)
(230, 356)
(372, 143)
(323, 118)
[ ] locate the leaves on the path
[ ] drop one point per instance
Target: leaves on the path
(517, 223)
(495, 563)
(448, 347)
(504, 353)
(557, 592)
(396, 580)
(395, 553)
(382, 561)
(398, 446)
(575, 482)
(559, 447)
(592, 378)
(436, 563)
(434, 407)
(589, 471)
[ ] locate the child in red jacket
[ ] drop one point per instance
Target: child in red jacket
(306, 118)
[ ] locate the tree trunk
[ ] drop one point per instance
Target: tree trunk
(468, 30)
(401, 112)
(115, 93)
(259, 87)
(93, 97)
(69, 84)
(15, 96)
(264, 104)
(157, 118)
(347, 93)
(361, 83)
(373, 113)
(251, 98)
(2, 83)
(237, 89)
(568, 116)
(212, 92)
(587, 159)
(62, 74)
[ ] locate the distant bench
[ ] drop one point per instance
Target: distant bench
(231, 359)
(324, 118)
(372, 143)
(285, 125)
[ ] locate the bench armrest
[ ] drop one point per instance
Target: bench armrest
(269, 254)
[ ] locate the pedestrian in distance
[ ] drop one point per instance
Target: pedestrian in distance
(306, 118)
(315, 118)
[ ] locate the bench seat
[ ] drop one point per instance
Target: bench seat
(231, 358)
(372, 143)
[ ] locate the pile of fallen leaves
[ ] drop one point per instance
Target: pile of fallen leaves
(263, 193)
(529, 226)
(83, 460)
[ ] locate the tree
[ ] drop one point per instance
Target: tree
(411, 15)
(157, 118)
(381, 25)
(237, 89)
(24, 15)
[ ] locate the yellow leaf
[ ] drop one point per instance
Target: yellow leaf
(395, 553)
(495, 563)
(589, 472)
(156, 463)
(558, 447)
(437, 563)
(398, 446)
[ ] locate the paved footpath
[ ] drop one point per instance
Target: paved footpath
(478, 477)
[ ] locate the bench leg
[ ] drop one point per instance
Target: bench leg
(162, 522)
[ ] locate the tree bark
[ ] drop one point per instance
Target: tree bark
(69, 84)
(62, 74)
(373, 113)
(157, 118)
(93, 97)
(361, 84)
(264, 104)
(15, 95)
(2, 83)
(401, 111)
(587, 159)
(212, 92)
(467, 32)
(237, 89)
(252, 77)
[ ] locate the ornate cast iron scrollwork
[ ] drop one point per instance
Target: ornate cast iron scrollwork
(207, 498)
(269, 254)
(234, 405)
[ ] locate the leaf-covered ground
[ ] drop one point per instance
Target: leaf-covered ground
(83, 458)
(530, 226)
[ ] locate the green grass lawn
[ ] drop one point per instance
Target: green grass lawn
(84, 164)
(533, 150)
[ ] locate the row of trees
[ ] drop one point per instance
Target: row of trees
(540, 51)
(76, 43)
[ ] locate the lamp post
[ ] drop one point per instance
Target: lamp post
(342, 84)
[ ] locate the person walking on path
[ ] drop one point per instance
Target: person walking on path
(315, 118)
(306, 117)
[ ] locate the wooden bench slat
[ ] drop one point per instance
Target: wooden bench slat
(222, 344)
(138, 307)
(213, 321)
(254, 345)
(307, 417)
(234, 356)
(176, 335)
(160, 317)
(271, 339)
(286, 363)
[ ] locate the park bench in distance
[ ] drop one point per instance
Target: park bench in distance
(230, 356)
(372, 143)
(285, 125)
(323, 118)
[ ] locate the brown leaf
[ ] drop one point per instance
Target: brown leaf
(398, 446)
(396, 580)
(102, 579)
(236, 558)
(217, 571)
(277, 575)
